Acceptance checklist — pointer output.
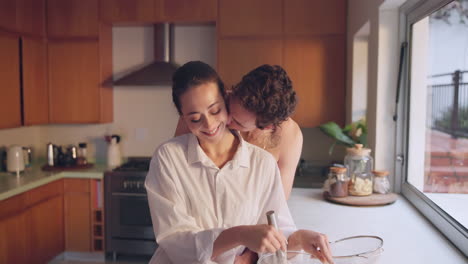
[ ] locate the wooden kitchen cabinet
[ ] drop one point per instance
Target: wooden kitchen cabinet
(35, 85)
(305, 17)
(23, 16)
(31, 17)
(72, 18)
(189, 10)
(130, 11)
(13, 231)
(316, 66)
(46, 236)
(74, 83)
(77, 211)
(10, 103)
(44, 212)
(250, 18)
(236, 57)
(8, 15)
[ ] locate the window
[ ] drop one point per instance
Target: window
(434, 130)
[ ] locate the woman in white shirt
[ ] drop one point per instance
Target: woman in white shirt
(209, 190)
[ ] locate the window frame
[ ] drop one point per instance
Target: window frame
(411, 12)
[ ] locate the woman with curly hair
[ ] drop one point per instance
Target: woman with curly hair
(260, 108)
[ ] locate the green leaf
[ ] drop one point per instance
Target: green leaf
(332, 147)
(334, 131)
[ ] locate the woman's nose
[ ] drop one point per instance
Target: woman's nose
(209, 122)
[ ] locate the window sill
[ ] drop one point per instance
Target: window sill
(408, 236)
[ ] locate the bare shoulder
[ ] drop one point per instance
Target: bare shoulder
(290, 132)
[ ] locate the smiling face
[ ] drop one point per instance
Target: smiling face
(241, 119)
(204, 112)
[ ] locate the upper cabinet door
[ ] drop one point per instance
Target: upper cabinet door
(189, 10)
(31, 17)
(72, 18)
(316, 66)
(236, 57)
(247, 17)
(8, 15)
(130, 11)
(10, 102)
(74, 82)
(35, 89)
(314, 17)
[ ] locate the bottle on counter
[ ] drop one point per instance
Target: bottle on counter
(82, 154)
(381, 182)
(114, 158)
(338, 182)
(359, 164)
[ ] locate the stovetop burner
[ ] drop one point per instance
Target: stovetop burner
(135, 164)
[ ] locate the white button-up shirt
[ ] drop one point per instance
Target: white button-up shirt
(192, 201)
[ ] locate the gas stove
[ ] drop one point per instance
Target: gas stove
(135, 164)
(129, 228)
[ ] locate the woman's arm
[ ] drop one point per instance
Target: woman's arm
(290, 153)
(258, 238)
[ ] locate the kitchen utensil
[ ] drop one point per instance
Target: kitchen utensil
(27, 154)
(15, 159)
(51, 154)
(349, 250)
(280, 255)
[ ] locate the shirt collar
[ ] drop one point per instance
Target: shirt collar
(196, 154)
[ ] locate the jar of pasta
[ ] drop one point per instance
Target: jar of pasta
(381, 182)
(359, 164)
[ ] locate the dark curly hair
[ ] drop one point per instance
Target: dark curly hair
(192, 74)
(267, 91)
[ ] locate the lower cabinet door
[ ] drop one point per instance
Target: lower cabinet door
(77, 221)
(14, 240)
(46, 235)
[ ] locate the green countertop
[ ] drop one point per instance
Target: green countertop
(34, 177)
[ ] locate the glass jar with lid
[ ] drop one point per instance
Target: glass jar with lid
(381, 182)
(359, 164)
(338, 182)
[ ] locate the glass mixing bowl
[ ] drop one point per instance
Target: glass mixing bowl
(349, 250)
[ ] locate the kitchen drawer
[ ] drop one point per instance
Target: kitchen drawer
(12, 205)
(44, 192)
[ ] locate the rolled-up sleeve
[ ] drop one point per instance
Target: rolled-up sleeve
(177, 233)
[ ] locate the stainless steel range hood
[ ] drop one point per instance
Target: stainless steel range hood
(161, 70)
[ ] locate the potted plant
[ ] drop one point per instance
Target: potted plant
(351, 134)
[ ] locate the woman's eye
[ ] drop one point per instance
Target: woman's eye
(217, 112)
(195, 120)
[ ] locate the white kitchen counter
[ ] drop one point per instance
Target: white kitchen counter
(408, 237)
(34, 177)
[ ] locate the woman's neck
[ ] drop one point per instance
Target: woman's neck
(223, 151)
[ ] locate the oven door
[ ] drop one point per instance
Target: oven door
(131, 216)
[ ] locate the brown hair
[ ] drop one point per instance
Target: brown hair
(192, 74)
(267, 91)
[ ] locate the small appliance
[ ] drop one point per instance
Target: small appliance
(15, 159)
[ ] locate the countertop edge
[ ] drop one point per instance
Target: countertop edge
(49, 179)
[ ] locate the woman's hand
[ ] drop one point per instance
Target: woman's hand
(312, 242)
(263, 238)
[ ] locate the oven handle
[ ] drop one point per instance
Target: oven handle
(130, 194)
